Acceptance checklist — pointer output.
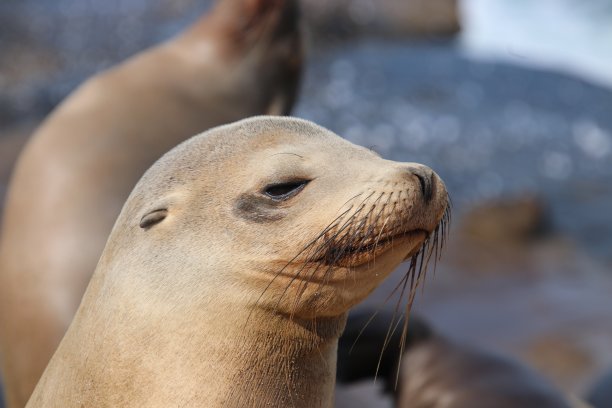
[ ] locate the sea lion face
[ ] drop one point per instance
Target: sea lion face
(300, 220)
(335, 221)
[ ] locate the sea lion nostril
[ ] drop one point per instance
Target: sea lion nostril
(425, 177)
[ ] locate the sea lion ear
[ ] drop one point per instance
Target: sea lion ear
(153, 217)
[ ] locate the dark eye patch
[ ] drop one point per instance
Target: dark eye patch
(266, 206)
(152, 218)
(254, 207)
(284, 191)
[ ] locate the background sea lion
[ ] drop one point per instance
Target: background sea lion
(360, 349)
(227, 277)
(442, 373)
(437, 372)
(76, 172)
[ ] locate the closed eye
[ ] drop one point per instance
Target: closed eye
(152, 218)
(284, 191)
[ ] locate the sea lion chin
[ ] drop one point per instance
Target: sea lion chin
(229, 273)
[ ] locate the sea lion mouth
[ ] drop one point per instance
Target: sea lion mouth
(368, 252)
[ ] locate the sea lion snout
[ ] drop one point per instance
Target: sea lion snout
(419, 195)
(426, 178)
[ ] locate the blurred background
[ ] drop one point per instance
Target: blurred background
(510, 101)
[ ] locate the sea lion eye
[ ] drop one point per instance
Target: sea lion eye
(283, 191)
(152, 218)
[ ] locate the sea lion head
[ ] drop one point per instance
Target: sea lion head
(275, 213)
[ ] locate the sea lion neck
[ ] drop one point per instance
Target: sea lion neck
(167, 354)
(292, 362)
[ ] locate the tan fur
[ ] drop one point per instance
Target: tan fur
(192, 311)
(75, 174)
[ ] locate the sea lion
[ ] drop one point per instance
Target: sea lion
(443, 373)
(76, 172)
(229, 272)
(438, 372)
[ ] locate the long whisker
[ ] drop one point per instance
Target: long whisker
(403, 284)
(414, 277)
(425, 251)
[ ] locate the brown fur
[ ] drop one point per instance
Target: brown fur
(75, 174)
(207, 307)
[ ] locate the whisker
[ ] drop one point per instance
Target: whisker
(323, 248)
(329, 227)
(343, 248)
(403, 283)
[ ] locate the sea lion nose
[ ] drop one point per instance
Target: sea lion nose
(425, 176)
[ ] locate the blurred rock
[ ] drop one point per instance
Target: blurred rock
(511, 237)
(561, 355)
(517, 220)
(544, 300)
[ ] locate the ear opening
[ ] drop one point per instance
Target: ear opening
(152, 218)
